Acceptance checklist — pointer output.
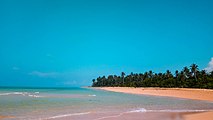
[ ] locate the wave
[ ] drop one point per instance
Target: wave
(113, 116)
(143, 110)
(180, 110)
(166, 110)
(67, 115)
(14, 93)
(35, 96)
(21, 93)
(92, 95)
(138, 110)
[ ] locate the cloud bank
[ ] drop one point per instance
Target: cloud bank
(209, 68)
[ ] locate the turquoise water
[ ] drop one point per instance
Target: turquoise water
(61, 103)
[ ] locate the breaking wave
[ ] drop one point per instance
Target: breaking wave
(22, 94)
(67, 115)
(92, 95)
(166, 110)
(138, 110)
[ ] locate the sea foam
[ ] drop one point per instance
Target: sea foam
(138, 110)
(20, 93)
(166, 110)
(92, 95)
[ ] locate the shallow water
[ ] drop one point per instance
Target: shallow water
(90, 104)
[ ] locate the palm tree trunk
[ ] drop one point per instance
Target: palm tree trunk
(195, 76)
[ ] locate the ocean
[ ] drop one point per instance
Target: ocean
(92, 104)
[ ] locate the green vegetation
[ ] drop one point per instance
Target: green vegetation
(187, 78)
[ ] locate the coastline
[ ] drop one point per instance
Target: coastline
(186, 93)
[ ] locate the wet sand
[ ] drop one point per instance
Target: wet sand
(196, 94)
(4, 117)
(126, 116)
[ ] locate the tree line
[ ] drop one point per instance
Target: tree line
(186, 78)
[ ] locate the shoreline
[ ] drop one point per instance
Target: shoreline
(186, 93)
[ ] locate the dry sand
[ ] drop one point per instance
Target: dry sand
(196, 94)
(199, 116)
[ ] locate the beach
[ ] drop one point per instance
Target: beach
(96, 104)
(196, 94)
(186, 93)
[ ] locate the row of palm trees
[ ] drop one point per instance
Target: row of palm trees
(187, 78)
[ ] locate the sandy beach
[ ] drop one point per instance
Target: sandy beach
(199, 116)
(196, 94)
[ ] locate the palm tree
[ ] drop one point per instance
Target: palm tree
(176, 78)
(211, 74)
(150, 74)
(145, 75)
(182, 78)
(99, 81)
(194, 69)
(186, 72)
(168, 74)
(122, 75)
(93, 83)
(176, 73)
(202, 75)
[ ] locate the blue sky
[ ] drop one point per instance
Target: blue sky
(69, 42)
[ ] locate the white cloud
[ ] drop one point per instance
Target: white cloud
(44, 74)
(209, 68)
